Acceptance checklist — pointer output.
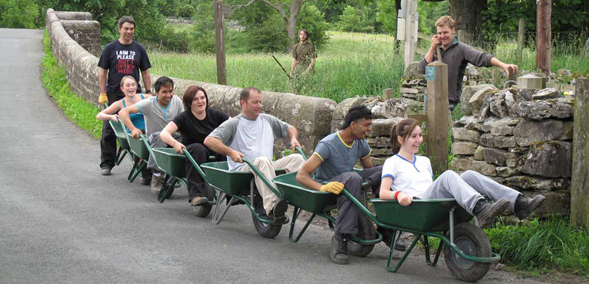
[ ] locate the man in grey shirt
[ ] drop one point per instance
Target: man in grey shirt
(333, 163)
(457, 55)
(251, 135)
(157, 111)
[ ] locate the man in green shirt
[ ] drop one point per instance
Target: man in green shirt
(303, 55)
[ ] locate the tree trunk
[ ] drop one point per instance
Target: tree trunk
(469, 19)
(290, 20)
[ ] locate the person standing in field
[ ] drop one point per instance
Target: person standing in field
(121, 57)
(303, 56)
(457, 55)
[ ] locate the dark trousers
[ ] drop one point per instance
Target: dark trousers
(108, 142)
(196, 182)
(347, 211)
(373, 177)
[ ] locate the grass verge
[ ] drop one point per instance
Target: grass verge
(542, 246)
(75, 108)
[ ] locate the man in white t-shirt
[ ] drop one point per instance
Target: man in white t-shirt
(251, 135)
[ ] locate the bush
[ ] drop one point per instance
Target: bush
(354, 20)
(269, 36)
(311, 19)
(19, 14)
(203, 31)
(175, 40)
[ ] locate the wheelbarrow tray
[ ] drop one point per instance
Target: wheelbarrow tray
(229, 182)
(302, 197)
(121, 134)
(138, 147)
(170, 162)
(422, 215)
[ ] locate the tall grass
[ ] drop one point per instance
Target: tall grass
(75, 108)
(349, 65)
(552, 244)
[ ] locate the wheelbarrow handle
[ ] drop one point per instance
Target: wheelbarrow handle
(263, 177)
(195, 164)
(301, 152)
(145, 141)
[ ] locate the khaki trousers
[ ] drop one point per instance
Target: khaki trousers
(290, 163)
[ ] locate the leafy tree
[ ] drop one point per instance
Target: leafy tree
(18, 13)
(387, 15)
(146, 13)
(203, 31)
(314, 22)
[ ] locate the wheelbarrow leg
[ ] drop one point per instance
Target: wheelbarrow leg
(142, 165)
(295, 216)
(397, 234)
(218, 217)
(167, 188)
(440, 247)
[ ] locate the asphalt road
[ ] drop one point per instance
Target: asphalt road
(62, 222)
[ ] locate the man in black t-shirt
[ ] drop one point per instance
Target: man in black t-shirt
(120, 58)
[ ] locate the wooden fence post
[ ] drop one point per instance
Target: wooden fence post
(220, 43)
(520, 39)
(436, 74)
(580, 174)
(544, 34)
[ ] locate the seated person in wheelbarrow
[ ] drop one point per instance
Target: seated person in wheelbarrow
(129, 88)
(333, 163)
(195, 123)
(407, 176)
(157, 111)
(251, 135)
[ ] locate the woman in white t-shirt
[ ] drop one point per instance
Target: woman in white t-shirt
(407, 176)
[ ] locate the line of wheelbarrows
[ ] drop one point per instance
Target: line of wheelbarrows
(467, 250)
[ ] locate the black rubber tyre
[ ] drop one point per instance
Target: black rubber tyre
(204, 210)
(366, 231)
(471, 240)
(265, 230)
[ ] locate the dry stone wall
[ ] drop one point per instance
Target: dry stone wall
(519, 137)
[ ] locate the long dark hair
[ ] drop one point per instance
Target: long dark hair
(403, 129)
(189, 95)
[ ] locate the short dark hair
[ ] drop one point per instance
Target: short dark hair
(162, 81)
(305, 31)
(126, 19)
(356, 113)
(189, 95)
(245, 93)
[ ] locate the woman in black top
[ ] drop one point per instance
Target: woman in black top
(194, 123)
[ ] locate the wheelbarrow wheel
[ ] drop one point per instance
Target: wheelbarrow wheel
(472, 241)
(366, 231)
(204, 210)
(265, 230)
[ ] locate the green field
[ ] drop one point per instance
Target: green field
(350, 64)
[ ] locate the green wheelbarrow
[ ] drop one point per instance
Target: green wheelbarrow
(467, 249)
(172, 165)
(119, 129)
(320, 204)
(124, 147)
(140, 150)
(235, 188)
